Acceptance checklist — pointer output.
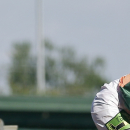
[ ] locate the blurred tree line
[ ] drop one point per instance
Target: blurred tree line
(66, 73)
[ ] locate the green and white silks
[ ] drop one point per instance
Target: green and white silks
(122, 120)
(110, 103)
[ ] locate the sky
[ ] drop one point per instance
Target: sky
(93, 28)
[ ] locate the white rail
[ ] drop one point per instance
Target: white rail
(7, 127)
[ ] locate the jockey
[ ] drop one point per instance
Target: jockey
(111, 106)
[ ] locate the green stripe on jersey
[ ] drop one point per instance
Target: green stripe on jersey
(120, 122)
